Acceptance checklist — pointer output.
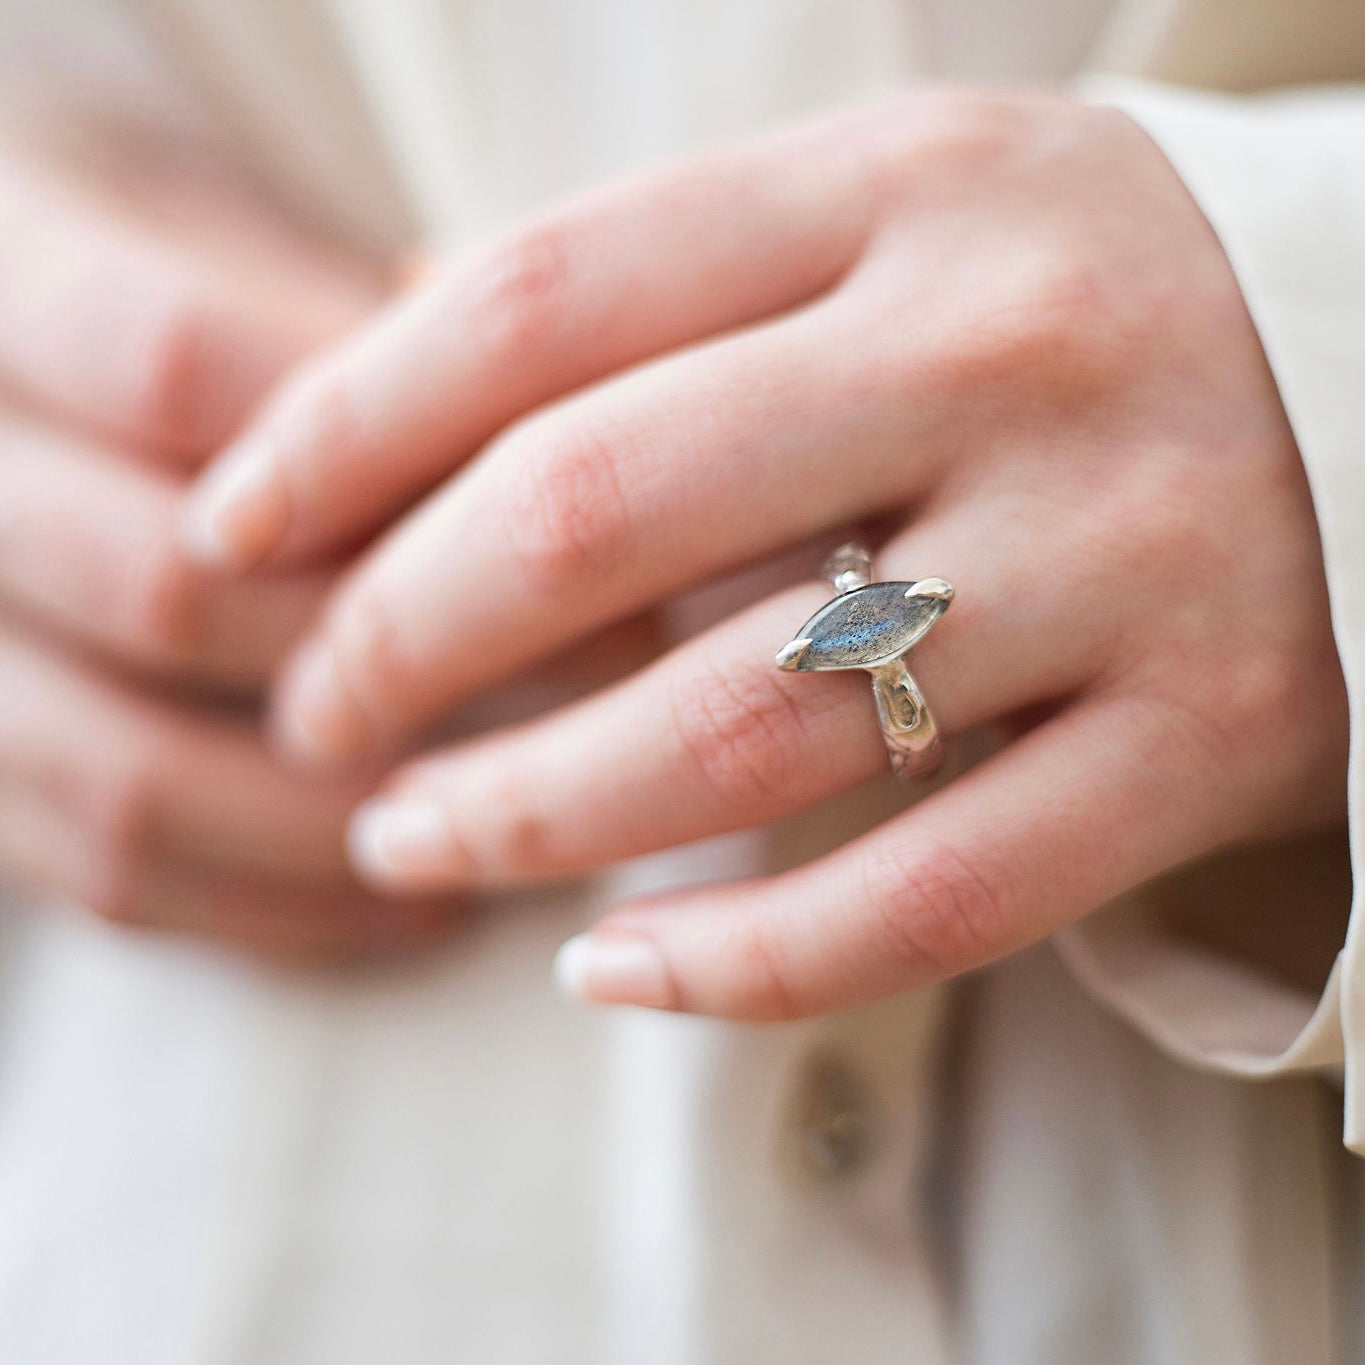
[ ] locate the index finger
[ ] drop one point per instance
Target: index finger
(617, 278)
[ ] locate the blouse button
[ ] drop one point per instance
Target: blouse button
(830, 1130)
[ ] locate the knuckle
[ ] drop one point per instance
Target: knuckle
(763, 991)
(976, 130)
(737, 733)
(1060, 299)
(955, 134)
(524, 840)
(1047, 328)
(519, 293)
(316, 411)
(164, 604)
(1145, 525)
(168, 370)
(1272, 687)
(378, 669)
(1226, 695)
(940, 912)
(122, 807)
(1158, 520)
(568, 517)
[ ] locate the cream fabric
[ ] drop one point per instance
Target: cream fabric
(201, 1162)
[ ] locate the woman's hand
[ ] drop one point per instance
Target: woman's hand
(137, 330)
(997, 325)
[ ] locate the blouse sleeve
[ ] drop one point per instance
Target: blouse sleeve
(1282, 180)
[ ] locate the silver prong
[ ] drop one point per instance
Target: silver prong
(931, 587)
(849, 568)
(791, 654)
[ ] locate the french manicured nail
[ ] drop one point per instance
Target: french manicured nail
(314, 719)
(613, 969)
(405, 842)
(237, 515)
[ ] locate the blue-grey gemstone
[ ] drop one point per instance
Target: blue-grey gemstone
(865, 627)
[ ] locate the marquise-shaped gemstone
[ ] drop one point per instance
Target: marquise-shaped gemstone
(866, 627)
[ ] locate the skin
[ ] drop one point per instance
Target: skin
(144, 311)
(995, 327)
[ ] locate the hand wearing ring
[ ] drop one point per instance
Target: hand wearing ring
(996, 329)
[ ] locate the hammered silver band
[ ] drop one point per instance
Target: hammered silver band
(873, 626)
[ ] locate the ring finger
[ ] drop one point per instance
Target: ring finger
(714, 738)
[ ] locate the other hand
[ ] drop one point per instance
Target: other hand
(138, 328)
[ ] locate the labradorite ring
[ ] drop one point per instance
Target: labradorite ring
(873, 626)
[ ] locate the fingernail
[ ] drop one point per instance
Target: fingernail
(613, 969)
(314, 719)
(407, 843)
(237, 515)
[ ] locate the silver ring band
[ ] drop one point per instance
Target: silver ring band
(873, 626)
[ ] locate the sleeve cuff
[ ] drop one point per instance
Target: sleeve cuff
(1206, 1009)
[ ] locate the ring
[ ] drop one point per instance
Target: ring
(873, 626)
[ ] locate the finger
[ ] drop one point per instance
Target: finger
(143, 774)
(621, 276)
(274, 918)
(714, 737)
(1106, 795)
(598, 508)
(88, 546)
(42, 846)
(160, 346)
